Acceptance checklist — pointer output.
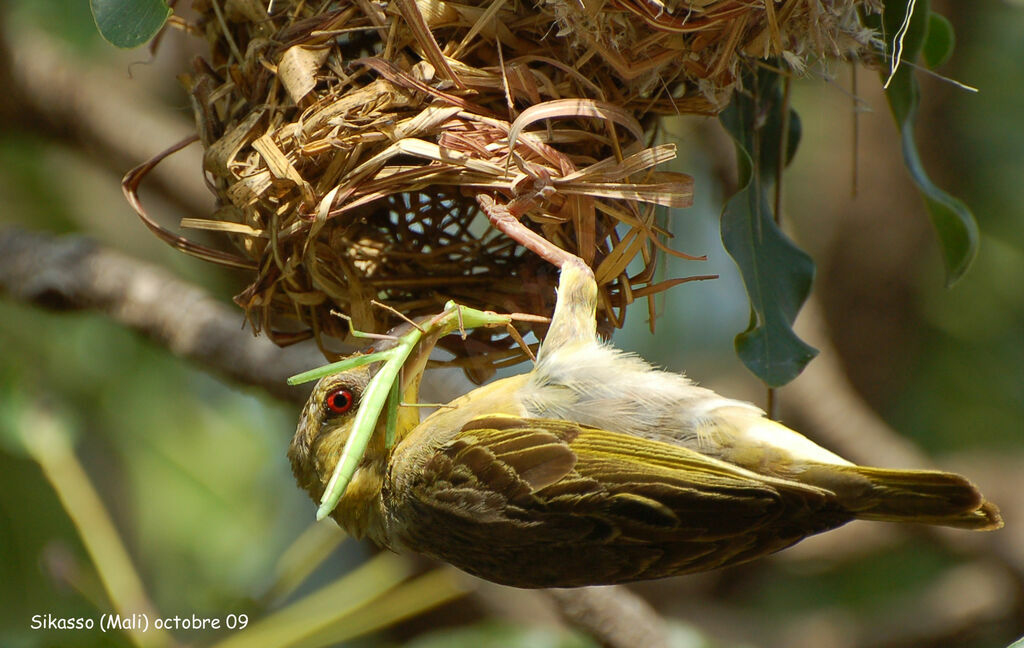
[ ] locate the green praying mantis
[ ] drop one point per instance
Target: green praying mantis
(384, 388)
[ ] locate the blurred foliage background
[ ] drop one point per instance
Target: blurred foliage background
(192, 470)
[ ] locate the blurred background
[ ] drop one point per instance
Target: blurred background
(123, 464)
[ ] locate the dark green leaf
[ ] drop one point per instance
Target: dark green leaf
(129, 23)
(953, 222)
(952, 219)
(776, 273)
(939, 41)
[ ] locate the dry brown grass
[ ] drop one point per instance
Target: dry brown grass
(358, 148)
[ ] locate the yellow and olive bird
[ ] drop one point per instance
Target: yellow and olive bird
(597, 468)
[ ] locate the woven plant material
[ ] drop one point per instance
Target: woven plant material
(361, 150)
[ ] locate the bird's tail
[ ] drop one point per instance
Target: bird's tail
(921, 496)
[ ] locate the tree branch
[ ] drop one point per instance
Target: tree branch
(74, 273)
(614, 616)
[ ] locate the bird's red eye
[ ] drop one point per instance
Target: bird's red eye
(340, 400)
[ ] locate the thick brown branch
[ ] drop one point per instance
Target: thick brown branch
(75, 273)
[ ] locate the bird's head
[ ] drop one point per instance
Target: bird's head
(324, 428)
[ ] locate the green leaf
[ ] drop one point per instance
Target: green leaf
(938, 41)
(776, 273)
(953, 221)
(129, 23)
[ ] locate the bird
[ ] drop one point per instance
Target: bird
(597, 468)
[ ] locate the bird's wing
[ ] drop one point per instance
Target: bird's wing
(578, 505)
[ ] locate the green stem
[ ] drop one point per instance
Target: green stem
(46, 439)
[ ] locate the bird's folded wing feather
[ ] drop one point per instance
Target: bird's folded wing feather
(552, 480)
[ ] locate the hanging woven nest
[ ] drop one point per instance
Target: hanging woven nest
(361, 151)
